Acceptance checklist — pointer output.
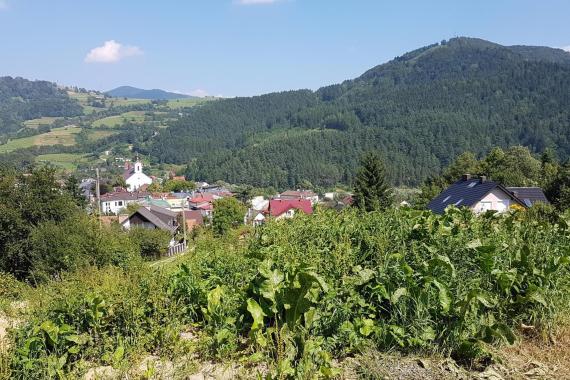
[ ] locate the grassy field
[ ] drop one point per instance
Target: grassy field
(82, 98)
(114, 121)
(182, 103)
(126, 102)
(46, 120)
(67, 161)
(63, 136)
(95, 135)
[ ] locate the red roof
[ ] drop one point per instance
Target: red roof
(205, 206)
(280, 206)
(202, 198)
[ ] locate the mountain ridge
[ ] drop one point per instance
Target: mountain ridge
(139, 93)
(420, 110)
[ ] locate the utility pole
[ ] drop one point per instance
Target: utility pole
(98, 195)
(184, 218)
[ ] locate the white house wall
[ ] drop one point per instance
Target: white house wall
(137, 180)
(496, 200)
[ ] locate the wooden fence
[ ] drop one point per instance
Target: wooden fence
(176, 249)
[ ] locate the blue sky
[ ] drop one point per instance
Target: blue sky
(248, 47)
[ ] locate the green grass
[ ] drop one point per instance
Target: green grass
(82, 98)
(95, 135)
(182, 103)
(126, 102)
(46, 120)
(115, 121)
(63, 136)
(67, 161)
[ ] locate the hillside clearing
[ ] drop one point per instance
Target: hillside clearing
(46, 120)
(67, 161)
(114, 121)
(63, 136)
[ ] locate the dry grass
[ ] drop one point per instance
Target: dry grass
(536, 357)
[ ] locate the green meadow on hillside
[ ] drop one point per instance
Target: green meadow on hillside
(45, 120)
(67, 161)
(114, 121)
(63, 136)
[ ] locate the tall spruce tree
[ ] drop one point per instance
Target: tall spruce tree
(371, 189)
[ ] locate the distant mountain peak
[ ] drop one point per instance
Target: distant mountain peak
(139, 93)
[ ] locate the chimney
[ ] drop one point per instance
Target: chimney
(483, 179)
(466, 177)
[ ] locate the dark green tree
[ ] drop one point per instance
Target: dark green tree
(228, 213)
(371, 189)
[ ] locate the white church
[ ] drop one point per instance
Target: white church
(134, 176)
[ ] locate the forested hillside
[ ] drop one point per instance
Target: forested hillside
(420, 110)
(22, 99)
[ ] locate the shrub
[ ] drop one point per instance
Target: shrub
(151, 243)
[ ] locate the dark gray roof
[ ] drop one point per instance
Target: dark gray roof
(529, 195)
(152, 218)
(466, 193)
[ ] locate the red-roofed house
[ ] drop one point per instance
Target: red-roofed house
(200, 199)
(286, 208)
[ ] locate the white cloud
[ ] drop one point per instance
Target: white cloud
(199, 93)
(255, 2)
(566, 48)
(111, 51)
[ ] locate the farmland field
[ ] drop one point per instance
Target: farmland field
(63, 136)
(67, 161)
(95, 135)
(114, 121)
(46, 120)
(182, 103)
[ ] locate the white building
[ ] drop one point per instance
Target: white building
(134, 176)
(480, 195)
(113, 203)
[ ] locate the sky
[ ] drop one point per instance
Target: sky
(248, 47)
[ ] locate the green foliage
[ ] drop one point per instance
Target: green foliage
(228, 213)
(178, 185)
(299, 293)
(151, 243)
(101, 316)
(371, 190)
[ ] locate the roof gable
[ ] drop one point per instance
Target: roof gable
(466, 193)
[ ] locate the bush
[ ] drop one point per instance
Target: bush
(151, 243)
(77, 242)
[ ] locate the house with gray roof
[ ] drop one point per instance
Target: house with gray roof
(480, 195)
(153, 217)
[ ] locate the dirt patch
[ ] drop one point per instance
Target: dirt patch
(537, 358)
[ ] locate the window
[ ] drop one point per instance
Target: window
(459, 202)
(472, 184)
(446, 199)
(485, 206)
(120, 203)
